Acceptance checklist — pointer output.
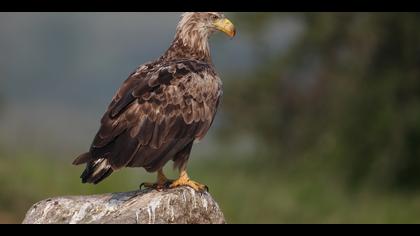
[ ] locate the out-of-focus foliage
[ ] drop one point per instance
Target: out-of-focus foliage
(347, 92)
(1, 102)
(247, 191)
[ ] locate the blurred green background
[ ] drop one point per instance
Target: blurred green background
(319, 123)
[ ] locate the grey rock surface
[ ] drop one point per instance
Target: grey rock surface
(181, 205)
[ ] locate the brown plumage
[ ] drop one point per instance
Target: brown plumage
(162, 107)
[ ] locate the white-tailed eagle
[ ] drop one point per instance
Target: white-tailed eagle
(161, 108)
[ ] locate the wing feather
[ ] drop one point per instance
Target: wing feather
(159, 110)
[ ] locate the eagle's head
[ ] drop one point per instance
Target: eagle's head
(192, 33)
(205, 23)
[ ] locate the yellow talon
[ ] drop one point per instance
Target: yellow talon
(184, 180)
(162, 182)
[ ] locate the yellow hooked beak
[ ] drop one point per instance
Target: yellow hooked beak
(225, 26)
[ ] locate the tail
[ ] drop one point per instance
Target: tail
(96, 170)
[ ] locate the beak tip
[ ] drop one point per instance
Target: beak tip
(226, 26)
(232, 33)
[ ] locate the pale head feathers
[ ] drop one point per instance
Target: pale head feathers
(192, 33)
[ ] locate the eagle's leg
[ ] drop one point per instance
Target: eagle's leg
(184, 180)
(162, 182)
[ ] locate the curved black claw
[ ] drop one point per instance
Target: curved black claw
(148, 185)
(142, 185)
(167, 184)
(202, 191)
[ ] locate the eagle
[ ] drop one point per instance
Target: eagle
(162, 108)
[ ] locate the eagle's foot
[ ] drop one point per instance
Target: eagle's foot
(195, 185)
(184, 180)
(161, 184)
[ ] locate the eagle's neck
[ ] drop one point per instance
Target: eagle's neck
(190, 42)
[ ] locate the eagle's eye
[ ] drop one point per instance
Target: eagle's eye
(214, 17)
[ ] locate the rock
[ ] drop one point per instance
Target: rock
(180, 205)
